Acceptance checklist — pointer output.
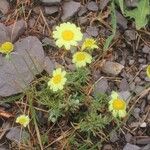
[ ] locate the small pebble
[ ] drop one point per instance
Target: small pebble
(146, 49)
(93, 31)
(82, 11)
(92, 6)
(131, 62)
(143, 125)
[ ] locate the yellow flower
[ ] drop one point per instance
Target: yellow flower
(81, 58)
(6, 48)
(58, 80)
(67, 35)
(117, 105)
(148, 71)
(23, 120)
(89, 43)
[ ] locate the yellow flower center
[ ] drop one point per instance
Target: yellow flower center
(22, 120)
(67, 35)
(119, 104)
(89, 43)
(7, 47)
(57, 79)
(80, 56)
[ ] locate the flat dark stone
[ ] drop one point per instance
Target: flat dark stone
(129, 146)
(103, 4)
(93, 31)
(121, 20)
(50, 2)
(70, 8)
(51, 10)
(92, 6)
(82, 11)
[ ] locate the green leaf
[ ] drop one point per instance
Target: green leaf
(114, 24)
(140, 13)
(120, 3)
(121, 6)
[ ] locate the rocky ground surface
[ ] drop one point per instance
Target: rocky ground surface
(122, 68)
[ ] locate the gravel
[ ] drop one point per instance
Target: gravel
(129, 146)
(93, 31)
(92, 6)
(70, 8)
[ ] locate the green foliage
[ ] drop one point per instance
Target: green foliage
(114, 24)
(95, 121)
(121, 4)
(140, 13)
(62, 102)
(78, 78)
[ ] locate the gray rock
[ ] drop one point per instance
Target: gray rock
(50, 2)
(93, 31)
(16, 29)
(83, 20)
(103, 4)
(123, 62)
(4, 34)
(147, 147)
(16, 135)
(112, 68)
(92, 6)
(143, 141)
(129, 146)
(136, 113)
(148, 97)
(143, 106)
(70, 8)
(121, 20)
(146, 49)
(128, 137)
(51, 10)
(101, 86)
(107, 147)
(113, 136)
(132, 86)
(4, 147)
(131, 62)
(137, 80)
(126, 95)
(130, 35)
(142, 61)
(4, 6)
(138, 89)
(26, 61)
(124, 86)
(82, 11)
(37, 9)
(48, 65)
(31, 22)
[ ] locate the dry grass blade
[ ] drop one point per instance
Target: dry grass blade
(38, 135)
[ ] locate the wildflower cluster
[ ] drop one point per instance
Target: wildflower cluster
(68, 35)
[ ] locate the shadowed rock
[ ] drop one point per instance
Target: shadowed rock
(27, 60)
